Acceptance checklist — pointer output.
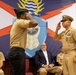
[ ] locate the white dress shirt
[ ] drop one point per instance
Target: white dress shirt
(46, 56)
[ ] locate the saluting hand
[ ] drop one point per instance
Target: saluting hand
(58, 26)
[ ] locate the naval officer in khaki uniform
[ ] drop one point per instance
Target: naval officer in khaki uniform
(68, 37)
(18, 36)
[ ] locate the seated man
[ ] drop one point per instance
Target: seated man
(1, 63)
(60, 58)
(44, 62)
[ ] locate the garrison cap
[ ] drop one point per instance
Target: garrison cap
(66, 17)
(18, 10)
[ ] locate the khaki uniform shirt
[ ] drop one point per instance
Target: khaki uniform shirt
(18, 33)
(68, 39)
(60, 58)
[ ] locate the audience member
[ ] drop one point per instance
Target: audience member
(2, 59)
(60, 58)
(44, 62)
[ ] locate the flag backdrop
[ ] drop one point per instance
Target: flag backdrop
(47, 13)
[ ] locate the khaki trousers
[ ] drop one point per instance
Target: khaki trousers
(1, 72)
(56, 70)
(69, 67)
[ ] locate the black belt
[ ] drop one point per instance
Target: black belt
(19, 48)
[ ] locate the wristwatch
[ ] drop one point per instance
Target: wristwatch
(42, 65)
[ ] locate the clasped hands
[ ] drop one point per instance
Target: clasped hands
(48, 66)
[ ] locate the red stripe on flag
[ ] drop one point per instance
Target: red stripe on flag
(55, 12)
(5, 30)
(50, 32)
(7, 8)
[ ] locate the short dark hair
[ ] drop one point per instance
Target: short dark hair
(19, 14)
